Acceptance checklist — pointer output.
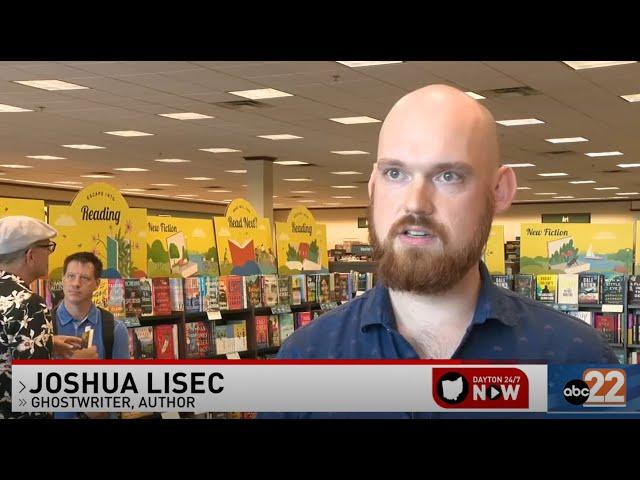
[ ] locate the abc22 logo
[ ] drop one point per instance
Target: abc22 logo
(599, 387)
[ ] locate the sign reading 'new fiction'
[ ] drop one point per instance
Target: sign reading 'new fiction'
(244, 241)
(100, 221)
(302, 244)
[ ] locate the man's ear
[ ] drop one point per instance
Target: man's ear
(372, 179)
(505, 190)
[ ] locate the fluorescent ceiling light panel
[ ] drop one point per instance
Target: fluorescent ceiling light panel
(128, 133)
(628, 193)
(554, 174)
(45, 157)
(185, 116)
(199, 179)
(546, 193)
(261, 93)
(16, 166)
(290, 162)
(51, 85)
(341, 196)
(628, 165)
(606, 188)
(220, 150)
(84, 146)
(163, 184)
(131, 169)
(631, 98)
(236, 171)
(354, 120)
(171, 160)
(297, 179)
(97, 176)
(582, 64)
(566, 140)
(475, 96)
(284, 136)
(69, 182)
(565, 196)
(343, 186)
(349, 152)
(347, 172)
(11, 109)
(367, 63)
(219, 191)
(519, 121)
(603, 154)
(523, 188)
(301, 191)
(580, 182)
(519, 165)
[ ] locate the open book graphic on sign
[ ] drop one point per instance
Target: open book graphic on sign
(178, 258)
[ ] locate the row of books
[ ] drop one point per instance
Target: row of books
(634, 357)
(136, 297)
(633, 328)
(573, 288)
(610, 325)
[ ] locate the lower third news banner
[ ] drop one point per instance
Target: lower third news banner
(276, 386)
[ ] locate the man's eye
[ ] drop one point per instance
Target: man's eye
(449, 177)
(394, 174)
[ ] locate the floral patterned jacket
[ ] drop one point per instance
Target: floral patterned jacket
(26, 332)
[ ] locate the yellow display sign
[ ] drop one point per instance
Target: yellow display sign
(494, 251)
(22, 206)
(244, 241)
(575, 248)
(181, 247)
(301, 244)
(100, 221)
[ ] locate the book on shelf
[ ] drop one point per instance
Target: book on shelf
(525, 285)
(568, 288)
(546, 287)
(269, 290)
(286, 326)
(504, 281)
(166, 341)
(192, 295)
(132, 297)
(253, 289)
(141, 343)
(262, 331)
(590, 288)
(284, 290)
(613, 291)
(274, 331)
(146, 297)
(176, 294)
(115, 303)
(161, 296)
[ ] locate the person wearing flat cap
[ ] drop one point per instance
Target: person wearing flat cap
(26, 331)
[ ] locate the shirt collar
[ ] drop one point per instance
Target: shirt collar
(65, 317)
(492, 304)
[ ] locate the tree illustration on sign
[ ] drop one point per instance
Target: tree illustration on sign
(292, 254)
(314, 252)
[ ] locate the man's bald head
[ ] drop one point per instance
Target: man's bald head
(442, 117)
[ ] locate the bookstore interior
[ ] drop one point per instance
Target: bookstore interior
(228, 200)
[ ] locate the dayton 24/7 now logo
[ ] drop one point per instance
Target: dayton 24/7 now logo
(599, 387)
(481, 387)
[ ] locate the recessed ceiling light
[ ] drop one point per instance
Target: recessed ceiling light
(51, 85)
(45, 157)
(227, 200)
(11, 109)
(519, 121)
(199, 178)
(606, 188)
(236, 171)
(220, 150)
(546, 193)
(131, 169)
(554, 174)
(301, 191)
(582, 64)
(129, 133)
(163, 184)
(244, 185)
(354, 120)
(523, 188)
(306, 201)
(519, 165)
(366, 63)
(284, 136)
(628, 193)
(349, 152)
(97, 176)
(341, 196)
(132, 189)
(185, 116)
(83, 146)
(219, 191)
(347, 172)
(343, 186)
(565, 196)
(566, 140)
(603, 154)
(16, 166)
(171, 160)
(631, 98)
(628, 165)
(290, 162)
(187, 195)
(475, 96)
(69, 182)
(331, 204)
(580, 182)
(296, 179)
(261, 93)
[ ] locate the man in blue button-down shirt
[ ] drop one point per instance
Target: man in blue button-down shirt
(81, 277)
(434, 190)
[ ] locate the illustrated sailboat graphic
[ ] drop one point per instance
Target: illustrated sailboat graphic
(590, 254)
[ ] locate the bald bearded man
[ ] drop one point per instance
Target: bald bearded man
(434, 190)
